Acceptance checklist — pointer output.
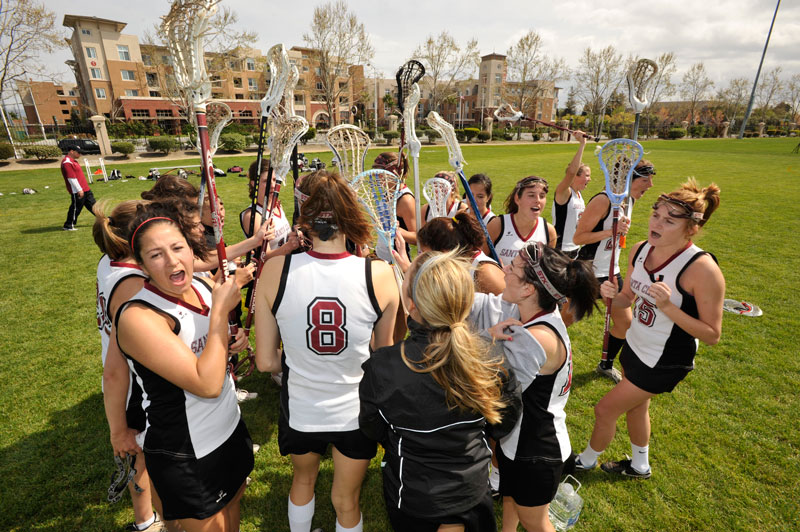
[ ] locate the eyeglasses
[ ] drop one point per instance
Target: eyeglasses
(644, 171)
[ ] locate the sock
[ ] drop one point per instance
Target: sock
(640, 460)
(494, 479)
(614, 346)
(589, 456)
(358, 528)
(300, 517)
(143, 526)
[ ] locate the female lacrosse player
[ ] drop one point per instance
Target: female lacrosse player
(678, 290)
(594, 234)
(461, 233)
(568, 204)
(406, 205)
(481, 187)
(329, 308)
(118, 279)
(537, 348)
(454, 203)
(174, 333)
(524, 223)
(428, 399)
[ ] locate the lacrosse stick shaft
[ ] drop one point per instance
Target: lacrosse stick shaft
(609, 301)
(262, 136)
(474, 206)
(636, 127)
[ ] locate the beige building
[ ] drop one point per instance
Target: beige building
(47, 103)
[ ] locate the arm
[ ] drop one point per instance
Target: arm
(234, 250)
(493, 228)
(512, 397)
(595, 211)
(370, 420)
(115, 395)
(68, 171)
(625, 297)
(406, 210)
(552, 236)
(388, 297)
(704, 280)
(563, 189)
(268, 336)
(490, 279)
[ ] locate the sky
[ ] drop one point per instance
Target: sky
(726, 35)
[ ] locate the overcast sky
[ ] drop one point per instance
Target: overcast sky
(727, 35)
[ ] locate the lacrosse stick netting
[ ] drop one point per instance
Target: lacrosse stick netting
(437, 192)
(407, 75)
(506, 113)
(639, 77)
(285, 132)
(618, 158)
(349, 145)
(414, 145)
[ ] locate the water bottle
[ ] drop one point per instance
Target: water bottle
(566, 506)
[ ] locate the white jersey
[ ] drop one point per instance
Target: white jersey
(281, 224)
(565, 220)
(457, 205)
(180, 423)
(326, 319)
(487, 216)
(109, 275)
(600, 252)
(511, 241)
(653, 336)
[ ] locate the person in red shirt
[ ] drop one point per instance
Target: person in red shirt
(77, 187)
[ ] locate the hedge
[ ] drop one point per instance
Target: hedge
(310, 134)
(6, 151)
(163, 144)
(432, 135)
(125, 148)
(390, 136)
(42, 152)
(232, 142)
(470, 133)
(676, 133)
(483, 136)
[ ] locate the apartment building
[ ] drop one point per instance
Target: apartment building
(47, 103)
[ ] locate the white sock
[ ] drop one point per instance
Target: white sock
(589, 456)
(640, 460)
(494, 478)
(358, 528)
(300, 517)
(143, 526)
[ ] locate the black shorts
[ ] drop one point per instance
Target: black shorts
(134, 413)
(479, 518)
(529, 483)
(198, 488)
(352, 443)
(601, 280)
(654, 380)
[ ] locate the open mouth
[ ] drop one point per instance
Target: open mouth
(177, 277)
(653, 234)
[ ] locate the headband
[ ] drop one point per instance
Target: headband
(644, 171)
(535, 263)
(691, 214)
(300, 196)
(529, 182)
(133, 235)
(422, 269)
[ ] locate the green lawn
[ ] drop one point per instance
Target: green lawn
(725, 444)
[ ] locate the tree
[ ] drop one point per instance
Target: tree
(792, 97)
(695, 87)
(599, 74)
(339, 41)
(445, 62)
(571, 103)
(771, 86)
(661, 86)
(731, 99)
(533, 72)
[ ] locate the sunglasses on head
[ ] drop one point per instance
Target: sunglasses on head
(644, 171)
(688, 213)
(530, 181)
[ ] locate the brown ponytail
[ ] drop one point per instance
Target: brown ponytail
(111, 233)
(332, 200)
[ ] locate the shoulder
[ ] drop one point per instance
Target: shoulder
(546, 337)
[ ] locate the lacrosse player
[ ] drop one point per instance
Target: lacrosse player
(568, 204)
(454, 203)
(481, 187)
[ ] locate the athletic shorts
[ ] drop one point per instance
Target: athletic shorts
(601, 280)
(352, 443)
(479, 518)
(134, 413)
(654, 380)
(198, 488)
(529, 483)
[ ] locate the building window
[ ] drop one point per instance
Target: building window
(246, 113)
(100, 93)
(146, 60)
(152, 79)
(96, 74)
(60, 92)
(131, 92)
(298, 99)
(128, 75)
(72, 93)
(65, 111)
(163, 113)
(124, 54)
(239, 96)
(317, 71)
(166, 60)
(233, 65)
(251, 64)
(140, 113)
(85, 32)
(252, 84)
(237, 82)
(73, 102)
(497, 78)
(155, 94)
(305, 69)
(91, 52)
(319, 85)
(62, 102)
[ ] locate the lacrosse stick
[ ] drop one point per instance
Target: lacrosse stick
(446, 131)
(377, 191)
(414, 145)
(617, 159)
(639, 77)
(437, 192)
(743, 308)
(278, 62)
(218, 115)
(185, 26)
(407, 75)
(349, 145)
(506, 113)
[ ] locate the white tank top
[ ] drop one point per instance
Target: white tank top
(109, 275)
(511, 241)
(565, 220)
(600, 252)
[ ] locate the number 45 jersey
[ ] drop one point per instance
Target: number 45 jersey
(326, 309)
(653, 336)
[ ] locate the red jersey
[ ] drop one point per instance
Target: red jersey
(73, 175)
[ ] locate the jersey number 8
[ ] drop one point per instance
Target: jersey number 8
(326, 333)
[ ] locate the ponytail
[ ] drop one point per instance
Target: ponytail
(445, 234)
(111, 233)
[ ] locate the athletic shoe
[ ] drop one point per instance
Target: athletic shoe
(243, 395)
(494, 482)
(579, 466)
(256, 448)
(157, 526)
(612, 372)
(277, 378)
(69, 228)
(624, 468)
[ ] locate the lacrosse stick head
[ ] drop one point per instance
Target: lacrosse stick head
(185, 26)
(409, 112)
(377, 191)
(618, 158)
(349, 145)
(506, 113)
(285, 132)
(406, 76)
(288, 92)
(437, 191)
(639, 77)
(218, 115)
(446, 131)
(279, 68)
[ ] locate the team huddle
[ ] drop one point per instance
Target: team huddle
(461, 372)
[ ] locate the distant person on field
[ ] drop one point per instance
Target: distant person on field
(80, 193)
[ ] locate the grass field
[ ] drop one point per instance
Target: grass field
(725, 446)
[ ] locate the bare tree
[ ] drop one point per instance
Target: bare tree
(792, 97)
(339, 41)
(771, 86)
(732, 99)
(599, 74)
(695, 87)
(445, 62)
(661, 87)
(533, 72)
